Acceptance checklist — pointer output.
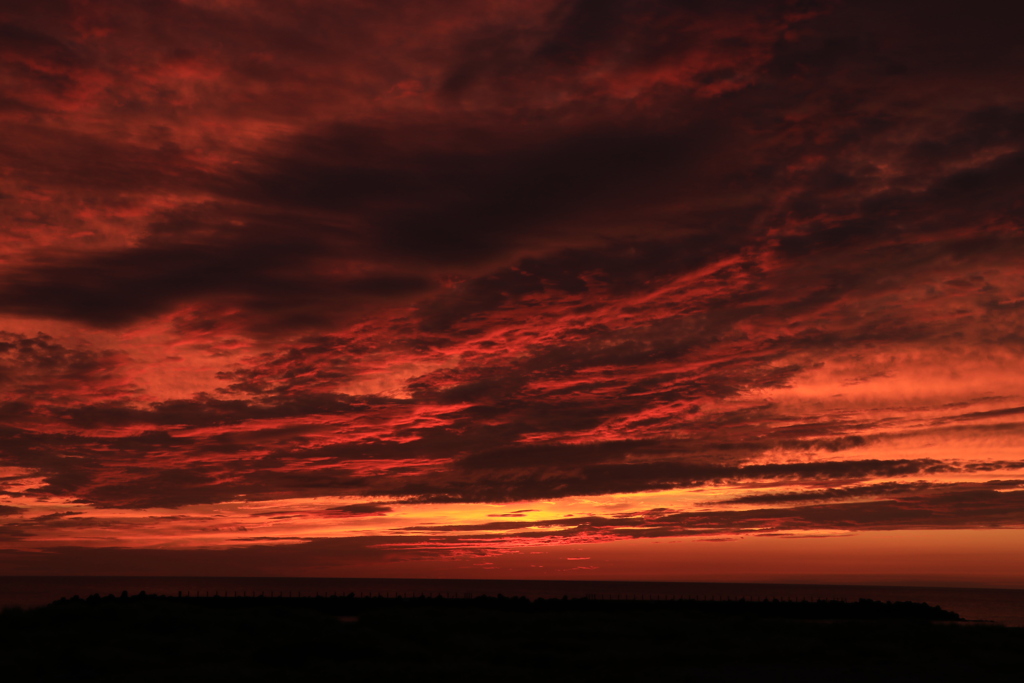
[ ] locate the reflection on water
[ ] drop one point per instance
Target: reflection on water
(1003, 606)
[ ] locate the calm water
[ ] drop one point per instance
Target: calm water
(1002, 606)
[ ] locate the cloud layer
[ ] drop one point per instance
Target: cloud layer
(280, 272)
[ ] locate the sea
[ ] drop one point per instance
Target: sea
(994, 605)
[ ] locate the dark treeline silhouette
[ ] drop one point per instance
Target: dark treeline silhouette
(355, 605)
(223, 639)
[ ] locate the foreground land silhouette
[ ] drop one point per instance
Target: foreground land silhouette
(159, 638)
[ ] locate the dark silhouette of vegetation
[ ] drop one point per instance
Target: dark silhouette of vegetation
(223, 639)
(346, 605)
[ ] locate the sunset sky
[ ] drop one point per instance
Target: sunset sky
(593, 289)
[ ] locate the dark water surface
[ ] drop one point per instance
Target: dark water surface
(1003, 606)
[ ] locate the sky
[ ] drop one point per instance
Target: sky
(554, 289)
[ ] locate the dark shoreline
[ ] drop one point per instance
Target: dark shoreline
(998, 605)
(217, 638)
(356, 605)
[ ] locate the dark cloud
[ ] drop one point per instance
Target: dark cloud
(970, 507)
(359, 510)
(42, 362)
(527, 484)
(208, 411)
(517, 513)
(553, 455)
(872, 490)
(171, 487)
(115, 288)
(1004, 412)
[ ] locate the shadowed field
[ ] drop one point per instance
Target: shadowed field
(341, 638)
